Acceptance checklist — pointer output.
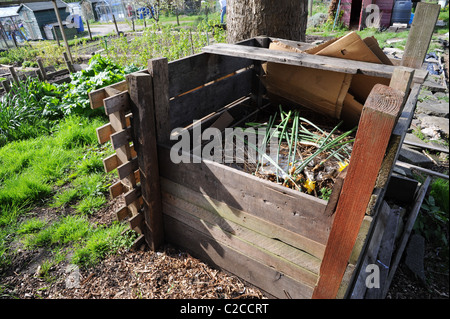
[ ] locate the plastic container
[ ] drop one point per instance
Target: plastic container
(401, 13)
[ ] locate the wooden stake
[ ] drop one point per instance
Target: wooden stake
(377, 121)
(61, 27)
(14, 74)
(41, 67)
(115, 23)
(419, 36)
(143, 124)
(89, 29)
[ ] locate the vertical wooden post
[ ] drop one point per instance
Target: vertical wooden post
(419, 36)
(159, 70)
(61, 27)
(41, 67)
(144, 140)
(115, 23)
(68, 63)
(377, 121)
(56, 35)
(89, 29)
(14, 74)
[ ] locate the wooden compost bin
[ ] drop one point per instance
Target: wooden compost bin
(275, 238)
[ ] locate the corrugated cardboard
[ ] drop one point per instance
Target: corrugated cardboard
(321, 90)
(328, 92)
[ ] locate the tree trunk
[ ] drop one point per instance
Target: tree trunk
(282, 19)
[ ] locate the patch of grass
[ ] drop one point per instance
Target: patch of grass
(90, 204)
(31, 225)
(102, 242)
(65, 197)
(67, 230)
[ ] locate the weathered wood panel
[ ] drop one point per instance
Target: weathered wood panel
(297, 214)
(195, 105)
(302, 59)
(223, 256)
(196, 70)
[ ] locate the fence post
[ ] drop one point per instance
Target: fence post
(144, 140)
(377, 121)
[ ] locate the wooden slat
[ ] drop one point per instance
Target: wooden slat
(261, 198)
(104, 132)
(132, 195)
(126, 169)
(122, 213)
(207, 249)
(374, 242)
(419, 36)
(121, 138)
(116, 103)
(117, 189)
(204, 207)
(377, 121)
(302, 59)
(406, 233)
(243, 240)
(197, 104)
(96, 97)
(136, 221)
(196, 70)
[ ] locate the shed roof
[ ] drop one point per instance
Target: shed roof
(40, 6)
(8, 11)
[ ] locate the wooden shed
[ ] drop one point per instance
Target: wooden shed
(35, 15)
(354, 12)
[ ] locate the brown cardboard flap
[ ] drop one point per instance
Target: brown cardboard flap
(350, 47)
(321, 90)
(351, 111)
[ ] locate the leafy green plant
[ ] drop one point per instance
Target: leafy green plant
(433, 221)
(100, 72)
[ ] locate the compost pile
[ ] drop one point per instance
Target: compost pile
(300, 149)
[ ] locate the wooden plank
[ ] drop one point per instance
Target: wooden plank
(196, 70)
(42, 69)
(373, 246)
(117, 102)
(195, 105)
(243, 240)
(298, 212)
(112, 162)
(225, 257)
(219, 213)
(127, 168)
(302, 59)
(401, 80)
(116, 189)
(136, 221)
(132, 195)
(104, 132)
(159, 70)
(385, 253)
(406, 233)
(419, 36)
(96, 97)
(377, 121)
(122, 213)
(144, 132)
(121, 138)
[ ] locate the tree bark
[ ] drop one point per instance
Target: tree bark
(282, 19)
